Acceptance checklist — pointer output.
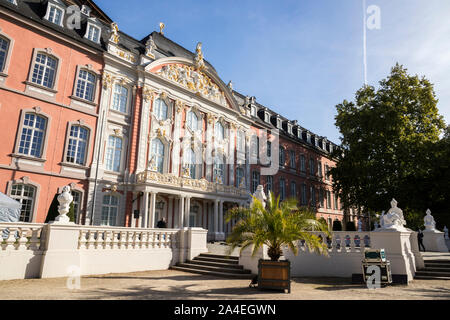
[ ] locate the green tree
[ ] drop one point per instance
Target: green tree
(276, 225)
(388, 141)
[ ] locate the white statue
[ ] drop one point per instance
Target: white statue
(393, 219)
(199, 62)
(150, 47)
(359, 226)
(64, 199)
(430, 224)
(260, 195)
(382, 219)
(446, 233)
(230, 85)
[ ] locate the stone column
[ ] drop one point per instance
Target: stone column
(187, 212)
(169, 211)
(152, 210)
(181, 213)
(144, 223)
(221, 225)
(216, 217)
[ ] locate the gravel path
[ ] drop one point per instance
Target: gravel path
(170, 284)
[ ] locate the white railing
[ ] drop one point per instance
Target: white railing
(99, 238)
(342, 241)
(20, 236)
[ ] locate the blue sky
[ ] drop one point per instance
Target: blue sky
(302, 57)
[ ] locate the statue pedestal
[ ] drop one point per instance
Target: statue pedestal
(433, 241)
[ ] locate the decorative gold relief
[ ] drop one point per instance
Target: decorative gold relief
(108, 80)
(195, 81)
(161, 28)
(148, 94)
(199, 62)
(114, 33)
(179, 106)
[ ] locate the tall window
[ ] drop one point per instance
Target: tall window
(218, 170)
(328, 199)
(93, 33)
(269, 183)
(302, 164)
(190, 161)
(241, 141)
(319, 169)
(78, 140)
(76, 205)
(44, 70)
(336, 207)
(25, 194)
(282, 189)
(312, 192)
(55, 15)
(158, 153)
(282, 157)
(32, 137)
(327, 172)
(304, 199)
(239, 176)
(269, 150)
(219, 131)
(293, 189)
(311, 166)
(192, 121)
(120, 98)
(109, 210)
(255, 181)
(321, 198)
(4, 46)
(114, 153)
(85, 85)
(292, 158)
(161, 109)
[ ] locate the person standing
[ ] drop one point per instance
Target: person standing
(162, 224)
(420, 239)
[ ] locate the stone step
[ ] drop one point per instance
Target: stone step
(214, 273)
(219, 256)
(440, 262)
(215, 264)
(215, 269)
(420, 277)
(432, 268)
(218, 260)
(432, 273)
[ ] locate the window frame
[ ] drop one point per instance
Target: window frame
(26, 181)
(51, 54)
(57, 6)
(88, 69)
(256, 180)
(88, 143)
(113, 94)
(90, 24)
(282, 189)
(38, 112)
(113, 157)
(8, 54)
(109, 206)
(164, 155)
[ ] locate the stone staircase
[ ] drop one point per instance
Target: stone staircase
(215, 265)
(434, 270)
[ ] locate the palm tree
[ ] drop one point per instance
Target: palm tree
(276, 225)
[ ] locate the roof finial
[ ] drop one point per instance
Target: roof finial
(161, 27)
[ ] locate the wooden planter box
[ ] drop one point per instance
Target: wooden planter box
(274, 275)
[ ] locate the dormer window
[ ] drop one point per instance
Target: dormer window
(253, 111)
(278, 123)
(266, 117)
(289, 127)
(55, 13)
(93, 33)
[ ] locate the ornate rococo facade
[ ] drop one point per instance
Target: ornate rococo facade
(173, 140)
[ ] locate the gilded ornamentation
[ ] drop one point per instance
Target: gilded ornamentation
(108, 80)
(194, 80)
(114, 33)
(198, 61)
(161, 27)
(148, 94)
(179, 105)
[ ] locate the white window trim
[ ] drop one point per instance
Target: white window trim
(93, 23)
(58, 5)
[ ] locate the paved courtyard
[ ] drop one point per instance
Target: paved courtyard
(169, 285)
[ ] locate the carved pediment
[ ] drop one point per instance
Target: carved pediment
(193, 80)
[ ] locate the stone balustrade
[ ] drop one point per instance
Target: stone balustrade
(342, 242)
(188, 183)
(102, 238)
(20, 236)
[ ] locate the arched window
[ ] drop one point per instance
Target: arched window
(219, 131)
(33, 135)
(77, 148)
(157, 155)
(25, 194)
(282, 189)
(161, 109)
(190, 163)
(4, 47)
(85, 85)
(218, 170)
(282, 157)
(120, 99)
(76, 205)
(255, 181)
(44, 70)
(114, 153)
(192, 121)
(109, 210)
